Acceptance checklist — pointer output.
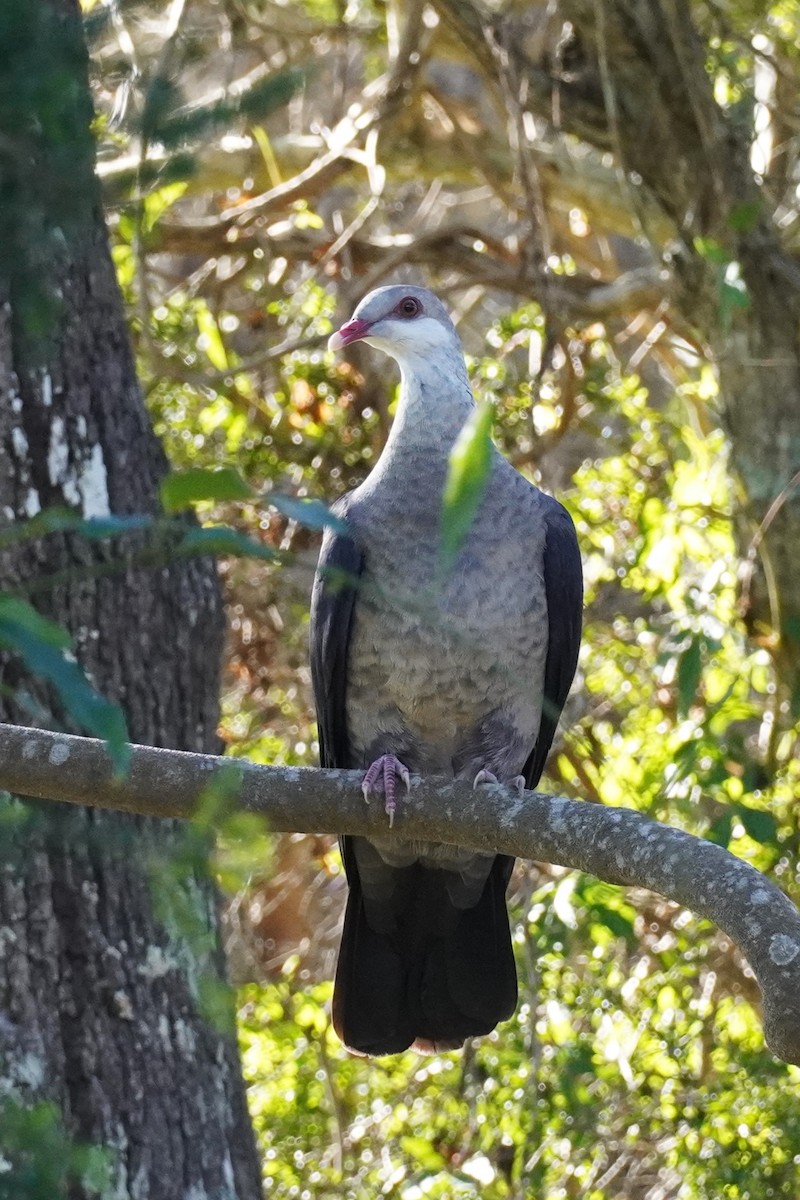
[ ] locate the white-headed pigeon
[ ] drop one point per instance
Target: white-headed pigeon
(461, 675)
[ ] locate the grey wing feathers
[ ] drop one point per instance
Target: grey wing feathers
(563, 581)
(332, 605)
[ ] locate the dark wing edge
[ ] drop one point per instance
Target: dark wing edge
(563, 582)
(332, 606)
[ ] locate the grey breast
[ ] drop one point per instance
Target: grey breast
(448, 675)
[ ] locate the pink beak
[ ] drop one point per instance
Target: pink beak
(351, 331)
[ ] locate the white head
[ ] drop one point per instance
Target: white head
(404, 322)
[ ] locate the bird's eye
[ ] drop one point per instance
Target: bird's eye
(409, 307)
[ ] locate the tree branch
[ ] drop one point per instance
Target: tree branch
(616, 845)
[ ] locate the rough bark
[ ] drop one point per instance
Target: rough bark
(101, 997)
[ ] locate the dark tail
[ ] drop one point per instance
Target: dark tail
(419, 969)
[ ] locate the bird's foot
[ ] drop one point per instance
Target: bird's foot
(381, 779)
(484, 776)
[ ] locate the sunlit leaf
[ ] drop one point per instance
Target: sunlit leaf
(712, 250)
(182, 488)
(467, 476)
(210, 340)
(423, 1152)
(160, 200)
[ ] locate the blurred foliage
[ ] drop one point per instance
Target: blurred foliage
(617, 1076)
(44, 647)
(264, 164)
(38, 1161)
(467, 476)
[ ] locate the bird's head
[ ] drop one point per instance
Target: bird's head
(403, 321)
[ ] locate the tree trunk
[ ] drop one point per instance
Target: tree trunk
(110, 958)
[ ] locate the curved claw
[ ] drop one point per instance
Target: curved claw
(381, 778)
(484, 776)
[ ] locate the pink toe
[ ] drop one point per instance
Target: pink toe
(381, 779)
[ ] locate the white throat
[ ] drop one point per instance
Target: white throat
(434, 402)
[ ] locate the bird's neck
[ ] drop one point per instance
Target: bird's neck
(434, 402)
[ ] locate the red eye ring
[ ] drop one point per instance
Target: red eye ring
(409, 307)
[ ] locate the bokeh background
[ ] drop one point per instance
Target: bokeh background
(606, 196)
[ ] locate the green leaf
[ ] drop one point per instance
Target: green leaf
(467, 476)
(211, 339)
(761, 826)
(690, 668)
(121, 181)
(221, 539)
(733, 297)
(720, 831)
(111, 526)
(312, 514)
(182, 488)
(41, 644)
(420, 1150)
(744, 216)
(615, 921)
(95, 1166)
(712, 251)
(21, 614)
(159, 201)
(49, 520)
(68, 520)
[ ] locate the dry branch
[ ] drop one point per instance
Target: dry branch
(616, 845)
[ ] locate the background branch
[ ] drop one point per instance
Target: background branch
(616, 845)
